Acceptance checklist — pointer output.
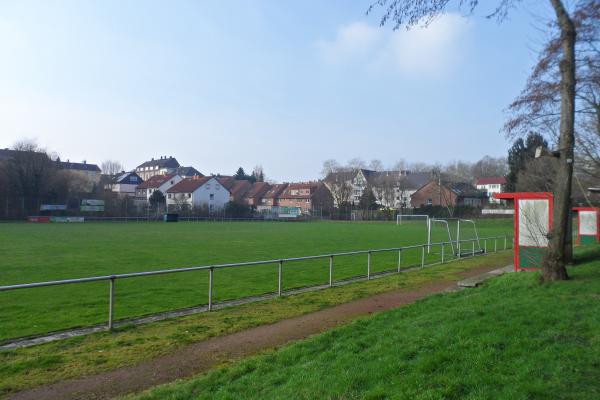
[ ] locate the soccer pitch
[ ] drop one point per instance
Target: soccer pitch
(44, 252)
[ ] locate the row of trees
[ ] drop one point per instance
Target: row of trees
(257, 174)
(29, 177)
(462, 170)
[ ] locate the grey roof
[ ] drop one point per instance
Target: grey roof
(188, 172)
(6, 154)
(130, 178)
(78, 166)
(163, 162)
(408, 180)
(416, 180)
(465, 189)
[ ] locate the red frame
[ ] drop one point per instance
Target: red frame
(577, 209)
(516, 196)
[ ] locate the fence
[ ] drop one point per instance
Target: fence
(505, 244)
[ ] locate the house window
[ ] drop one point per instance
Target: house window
(207, 186)
(189, 195)
(429, 202)
(169, 195)
(212, 196)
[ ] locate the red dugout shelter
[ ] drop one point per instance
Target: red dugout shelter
(588, 225)
(532, 223)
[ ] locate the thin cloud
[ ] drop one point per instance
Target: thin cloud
(415, 52)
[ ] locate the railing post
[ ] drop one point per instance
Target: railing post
(504, 242)
(495, 245)
(111, 303)
(279, 277)
(422, 256)
(473, 248)
(210, 288)
(331, 271)
(368, 265)
(399, 260)
(443, 252)
(485, 246)
(458, 247)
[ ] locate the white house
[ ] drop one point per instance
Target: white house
(162, 166)
(162, 183)
(198, 192)
(491, 185)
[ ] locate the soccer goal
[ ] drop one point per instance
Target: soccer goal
(410, 218)
(430, 225)
(466, 229)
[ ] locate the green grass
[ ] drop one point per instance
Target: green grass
(513, 338)
(41, 252)
(71, 358)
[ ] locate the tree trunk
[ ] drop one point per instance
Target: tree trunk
(554, 266)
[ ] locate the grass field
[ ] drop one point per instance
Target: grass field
(130, 345)
(514, 338)
(44, 252)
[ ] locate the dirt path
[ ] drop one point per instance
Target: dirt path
(202, 356)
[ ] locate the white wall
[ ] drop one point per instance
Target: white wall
(202, 195)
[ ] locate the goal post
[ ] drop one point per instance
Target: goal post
(458, 232)
(400, 218)
(430, 225)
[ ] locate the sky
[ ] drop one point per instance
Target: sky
(281, 84)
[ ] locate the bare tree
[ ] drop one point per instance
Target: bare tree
(110, 167)
(413, 12)
(356, 163)
(329, 166)
(258, 173)
(376, 165)
(339, 183)
(538, 175)
(490, 166)
(384, 187)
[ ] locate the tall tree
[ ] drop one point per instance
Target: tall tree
(520, 154)
(413, 12)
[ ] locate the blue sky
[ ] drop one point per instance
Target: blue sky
(283, 84)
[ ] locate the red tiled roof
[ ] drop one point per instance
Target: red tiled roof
(155, 181)
(275, 190)
(258, 189)
(494, 180)
(240, 188)
(189, 185)
(226, 181)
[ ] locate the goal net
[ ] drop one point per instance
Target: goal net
(402, 219)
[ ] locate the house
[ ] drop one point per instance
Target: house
(491, 185)
(448, 194)
(89, 173)
(307, 196)
(255, 195)
(198, 192)
(161, 183)
(188, 172)
(124, 184)
(271, 197)
(161, 166)
(239, 189)
(392, 189)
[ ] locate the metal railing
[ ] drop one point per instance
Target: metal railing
(279, 262)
